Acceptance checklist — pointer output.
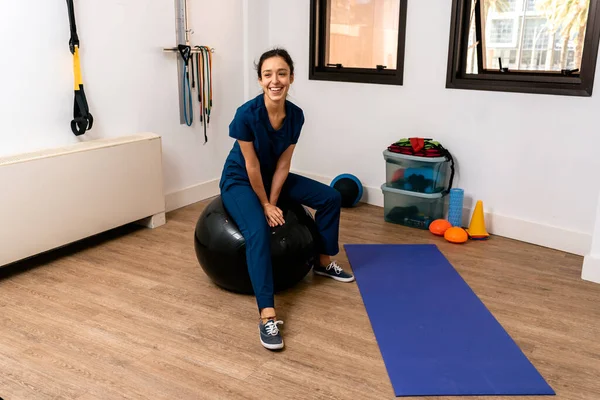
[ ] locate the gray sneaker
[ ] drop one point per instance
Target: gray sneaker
(333, 270)
(270, 337)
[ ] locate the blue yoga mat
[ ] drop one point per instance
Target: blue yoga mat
(435, 335)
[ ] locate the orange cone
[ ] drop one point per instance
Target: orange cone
(476, 228)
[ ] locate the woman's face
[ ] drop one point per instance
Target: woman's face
(276, 78)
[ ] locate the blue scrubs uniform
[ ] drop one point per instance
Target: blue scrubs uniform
(251, 123)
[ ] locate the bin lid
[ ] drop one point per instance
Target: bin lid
(398, 156)
(386, 188)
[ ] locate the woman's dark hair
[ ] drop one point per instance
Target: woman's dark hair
(277, 52)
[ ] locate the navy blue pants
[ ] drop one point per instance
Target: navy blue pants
(244, 207)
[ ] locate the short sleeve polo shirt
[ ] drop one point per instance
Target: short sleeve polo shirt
(251, 123)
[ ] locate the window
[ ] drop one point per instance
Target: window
(529, 46)
(357, 40)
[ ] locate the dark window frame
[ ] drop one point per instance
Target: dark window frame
(337, 73)
(553, 83)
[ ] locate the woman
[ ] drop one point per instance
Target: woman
(256, 174)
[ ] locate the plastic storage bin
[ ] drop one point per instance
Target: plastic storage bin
(416, 174)
(412, 209)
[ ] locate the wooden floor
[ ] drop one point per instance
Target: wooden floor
(130, 315)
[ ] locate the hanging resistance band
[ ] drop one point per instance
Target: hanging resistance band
(185, 52)
(204, 78)
(82, 119)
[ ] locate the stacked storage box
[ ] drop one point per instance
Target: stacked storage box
(415, 189)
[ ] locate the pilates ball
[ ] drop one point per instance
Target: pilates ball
(439, 227)
(456, 234)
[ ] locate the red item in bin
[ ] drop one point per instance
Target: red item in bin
(418, 147)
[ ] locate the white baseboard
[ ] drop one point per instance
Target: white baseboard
(591, 269)
(191, 195)
(553, 237)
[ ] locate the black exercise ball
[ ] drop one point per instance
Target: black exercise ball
(350, 188)
(221, 248)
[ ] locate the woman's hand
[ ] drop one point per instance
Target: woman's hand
(274, 215)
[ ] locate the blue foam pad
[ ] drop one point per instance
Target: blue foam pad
(435, 335)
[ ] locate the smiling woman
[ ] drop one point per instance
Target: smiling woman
(256, 176)
(275, 71)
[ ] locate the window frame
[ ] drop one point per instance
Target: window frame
(552, 83)
(320, 72)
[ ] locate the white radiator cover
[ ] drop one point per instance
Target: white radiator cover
(57, 196)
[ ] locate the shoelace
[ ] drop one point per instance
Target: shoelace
(271, 327)
(335, 267)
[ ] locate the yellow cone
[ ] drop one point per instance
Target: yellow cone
(476, 228)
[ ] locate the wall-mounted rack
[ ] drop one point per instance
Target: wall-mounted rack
(183, 33)
(193, 49)
(188, 53)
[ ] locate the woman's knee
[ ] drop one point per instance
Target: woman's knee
(334, 198)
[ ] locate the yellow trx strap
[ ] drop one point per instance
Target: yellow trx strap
(82, 119)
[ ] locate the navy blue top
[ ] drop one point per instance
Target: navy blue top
(251, 123)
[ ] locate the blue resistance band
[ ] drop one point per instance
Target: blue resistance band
(185, 81)
(185, 55)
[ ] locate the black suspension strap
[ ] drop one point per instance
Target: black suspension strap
(82, 118)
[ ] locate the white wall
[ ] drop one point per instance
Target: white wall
(492, 135)
(131, 85)
(256, 42)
